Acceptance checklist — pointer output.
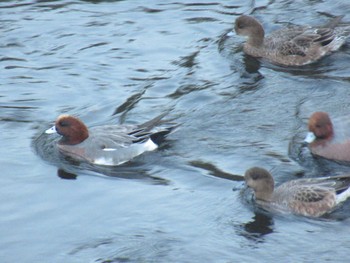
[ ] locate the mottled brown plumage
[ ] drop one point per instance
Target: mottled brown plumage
(293, 45)
(312, 197)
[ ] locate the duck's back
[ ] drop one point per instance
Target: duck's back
(278, 38)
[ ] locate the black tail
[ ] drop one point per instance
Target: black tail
(156, 129)
(159, 137)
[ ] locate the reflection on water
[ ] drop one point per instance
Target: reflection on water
(66, 175)
(214, 171)
(260, 225)
(154, 247)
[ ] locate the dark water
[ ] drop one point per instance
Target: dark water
(126, 62)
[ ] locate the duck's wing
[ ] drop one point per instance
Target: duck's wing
(155, 129)
(303, 190)
(337, 183)
(313, 196)
(291, 48)
(305, 199)
(288, 41)
(112, 136)
(122, 136)
(313, 200)
(280, 36)
(301, 43)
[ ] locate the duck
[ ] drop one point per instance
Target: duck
(108, 145)
(309, 197)
(293, 45)
(329, 139)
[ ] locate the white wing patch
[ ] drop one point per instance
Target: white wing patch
(150, 145)
(109, 149)
(343, 196)
(104, 161)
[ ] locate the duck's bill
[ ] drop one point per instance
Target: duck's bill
(51, 130)
(310, 137)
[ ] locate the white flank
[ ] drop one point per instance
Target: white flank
(343, 196)
(150, 145)
(310, 137)
(51, 130)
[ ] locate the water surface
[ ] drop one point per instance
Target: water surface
(126, 62)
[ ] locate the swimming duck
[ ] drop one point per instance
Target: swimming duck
(312, 197)
(109, 145)
(293, 45)
(327, 139)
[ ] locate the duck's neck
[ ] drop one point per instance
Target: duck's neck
(265, 195)
(265, 191)
(75, 138)
(256, 39)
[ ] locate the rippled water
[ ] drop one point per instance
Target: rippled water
(126, 62)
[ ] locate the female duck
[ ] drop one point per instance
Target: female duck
(109, 144)
(294, 45)
(312, 197)
(327, 140)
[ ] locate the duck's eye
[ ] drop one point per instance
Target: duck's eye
(240, 25)
(63, 123)
(255, 176)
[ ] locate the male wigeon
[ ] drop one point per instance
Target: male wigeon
(109, 144)
(327, 139)
(312, 197)
(293, 45)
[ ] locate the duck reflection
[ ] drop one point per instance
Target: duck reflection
(126, 172)
(66, 175)
(260, 225)
(250, 76)
(212, 170)
(251, 64)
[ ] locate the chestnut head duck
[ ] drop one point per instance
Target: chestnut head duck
(311, 197)
(329, 139)
(293, 45)
(108, 144)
